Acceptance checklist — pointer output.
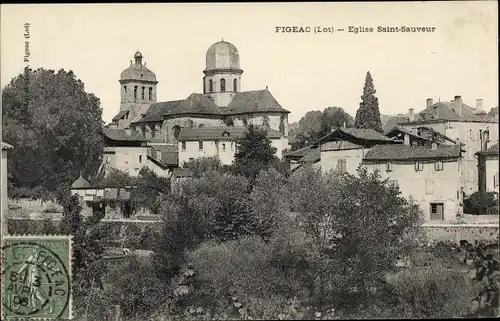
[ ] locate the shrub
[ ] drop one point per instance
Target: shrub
(432, 292)
(479, 203)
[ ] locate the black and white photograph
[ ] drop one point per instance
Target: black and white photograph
(249, 161)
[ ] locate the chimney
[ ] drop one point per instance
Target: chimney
(430, 102)
(411, 114)
(434, 146)
(479, 105)
(407, 140)
(458, 105)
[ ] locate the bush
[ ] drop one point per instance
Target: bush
(479, 203)
(433, 292)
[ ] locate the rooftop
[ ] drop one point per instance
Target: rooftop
(80, 183)
(214, 133)
(166, 155)
(363, 134)
(406, 152)
(122, 135)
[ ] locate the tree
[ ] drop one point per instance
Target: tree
(334, 117)
(254, 153)
(201, 165)
(368, 114)
(55, 126)
(148, 189)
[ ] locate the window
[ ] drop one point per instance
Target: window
(183, 145)
(210, 85)
(135, 92)
(153, 132)
(200, 145)
(471, 135)
(235, 85)
(223, 147)
(437, 211)
(419, 166)
(388, 167)
(150, 93)
(342, 165)
(125, 89)
(142, 93)
(438, 166)
(232, 146)
(223, 84)
(140, 158)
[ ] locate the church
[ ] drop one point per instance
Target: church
(221, 110)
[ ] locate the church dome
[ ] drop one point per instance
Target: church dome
(138, 70)
(222, 55)
(80, 183)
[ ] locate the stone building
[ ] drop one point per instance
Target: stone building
(488, 179)
(429, 175)
(466, 125)
(221, 103)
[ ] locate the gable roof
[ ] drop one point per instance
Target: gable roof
(406, 152)
(363, 134)
(392, 122)
(165, 155)
(254, 102)
(122, 135)
(157, 110)
(213, 133)
(120, 114)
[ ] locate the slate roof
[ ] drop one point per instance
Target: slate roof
(195, 104)
(299, 153)
(121, 135)
(120, 114)
(157, 110)
(254, 102)
(6, 146)
(138, 72)
(213, 133)
(405, 152)
(313, 156)
(448, 111)
(392, 122)
(166, 155)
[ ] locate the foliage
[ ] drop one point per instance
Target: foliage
(479, 203)
(149, 187)
(54, 125)
(368, 114)
(116, 178)
(316, 124)
(431, 292)
(201, 165)
(254, 153)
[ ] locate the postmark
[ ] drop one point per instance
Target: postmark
(36, 277)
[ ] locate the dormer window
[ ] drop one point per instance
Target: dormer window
(223, 84)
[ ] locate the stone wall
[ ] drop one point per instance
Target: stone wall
(457, 232)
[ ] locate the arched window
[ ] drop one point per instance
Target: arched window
(135, 92)
(142, 93)
(235, 85)
(223, 84)
(125, 88)
(176, 130)
(210, 85)
(150, 93)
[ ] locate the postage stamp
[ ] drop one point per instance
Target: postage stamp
(36, 277)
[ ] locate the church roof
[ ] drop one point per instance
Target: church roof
(122, 135)
(157, 110)
(254, 102)
(222, 55)
(195, 104)
(80, 183)
(213, 133)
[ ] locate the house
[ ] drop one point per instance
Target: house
(430, 175)
(487, 161)
(129, 151)
(218, 141)
(462, 123)
(343, 149)
(300, 157)
(4, 198)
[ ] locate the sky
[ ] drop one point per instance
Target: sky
(303, 71)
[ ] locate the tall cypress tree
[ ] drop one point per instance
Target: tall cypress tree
(368, 114)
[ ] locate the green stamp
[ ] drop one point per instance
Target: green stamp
(36, 277)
